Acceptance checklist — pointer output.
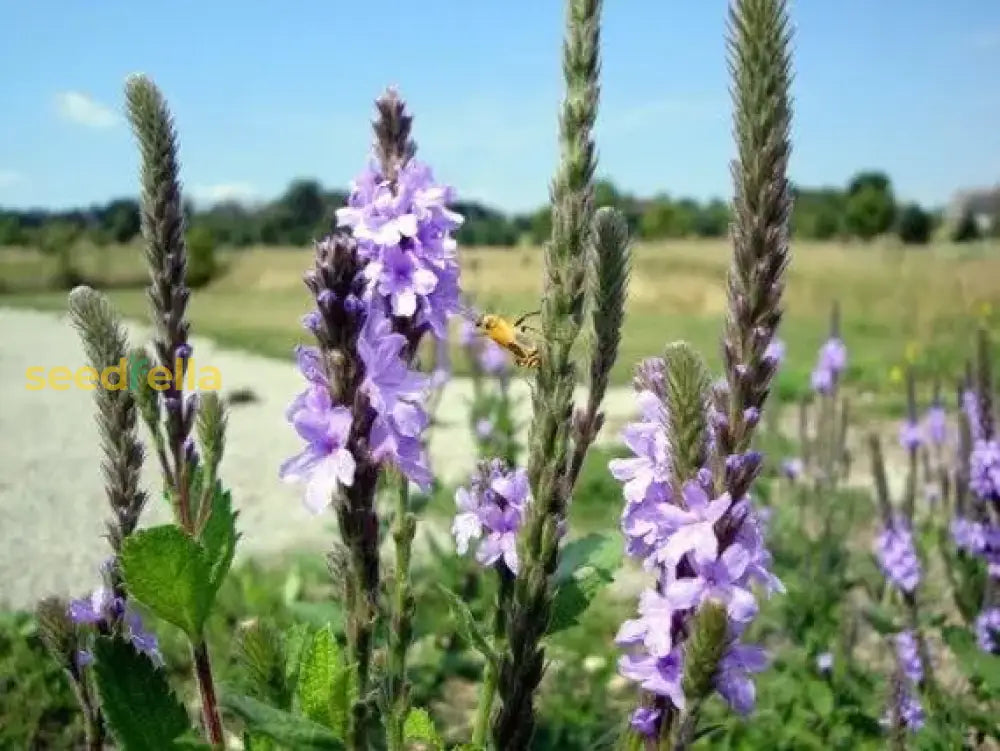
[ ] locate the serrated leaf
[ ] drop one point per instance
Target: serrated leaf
(320, 662)
(166, 570)
(419, 727)
(467, 625)
(137, 701)
(574, 597)
(975, 663)
(283, 727)
(219, 537)
(598, 551)
(297, 638)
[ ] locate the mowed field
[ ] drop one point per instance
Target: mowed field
(914, 305)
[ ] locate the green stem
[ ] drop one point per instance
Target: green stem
(488, 690)
(403, 532)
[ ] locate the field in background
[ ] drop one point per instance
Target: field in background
(921, 304)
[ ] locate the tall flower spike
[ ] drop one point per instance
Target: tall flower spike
(759, 42)
(106, 346)
(552, 400)
(166, 256)
(608, 271)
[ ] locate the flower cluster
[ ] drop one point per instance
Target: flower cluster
(907, 708)
(988, 630)
(984, 470)
(830, 363)
(897, 556)
(676, 536)
(403, 228)
(376, 294)
(396, 418)
(970, 405)
(936, 424)
(103, 609)
(911, 435)
(492, 510)
(908, 656)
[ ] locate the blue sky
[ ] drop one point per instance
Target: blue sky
(264, 92)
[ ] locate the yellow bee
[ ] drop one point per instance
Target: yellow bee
(513, 336)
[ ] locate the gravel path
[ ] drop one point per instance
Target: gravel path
(51, 502)
(52, 506)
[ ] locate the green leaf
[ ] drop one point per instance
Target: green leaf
(881, 619)
(320, 662)
(297, 638)
(597, 551)
(977, 665)
(280, 726)
(821, 697)
(574, 597)
(137, 701)
(219, 537)
(467, 625)
(166, 570)
(325, 687)
(419, 727)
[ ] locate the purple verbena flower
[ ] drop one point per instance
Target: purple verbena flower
(484, 429)
(897, 556)
(911, 713)
(984, 469)
(775, 351)
(325, 464)
(404, 233)
(722, 579)
(970, 405)
(910, 435)
(492, 510)
(646, 721)
(833, 356)
(988, 630)
(100, 606)
(792, 468)
(969, 536)
(936, 423)
(658, 675)
(908, 656)
(733, 680)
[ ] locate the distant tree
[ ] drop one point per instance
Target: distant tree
(58, 240)
(201, 256)
(967, 228)
(120, 220)
(817, 213)
(541, 225)
(302, 210)
(914, 225)
(712, 219)
(871, 206)
(11, 232)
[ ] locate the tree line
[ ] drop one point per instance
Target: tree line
(864, 209)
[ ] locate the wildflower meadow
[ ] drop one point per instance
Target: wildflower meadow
(698, 568)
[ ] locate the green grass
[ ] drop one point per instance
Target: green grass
(898, 305)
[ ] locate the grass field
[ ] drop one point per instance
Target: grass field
(918, 305)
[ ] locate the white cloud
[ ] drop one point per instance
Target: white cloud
(83, 109)
(220, 192)
(9, 178)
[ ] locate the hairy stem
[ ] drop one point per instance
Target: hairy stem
(206, 688)
(402, 612)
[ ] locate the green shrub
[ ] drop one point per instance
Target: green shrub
(201, 256)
